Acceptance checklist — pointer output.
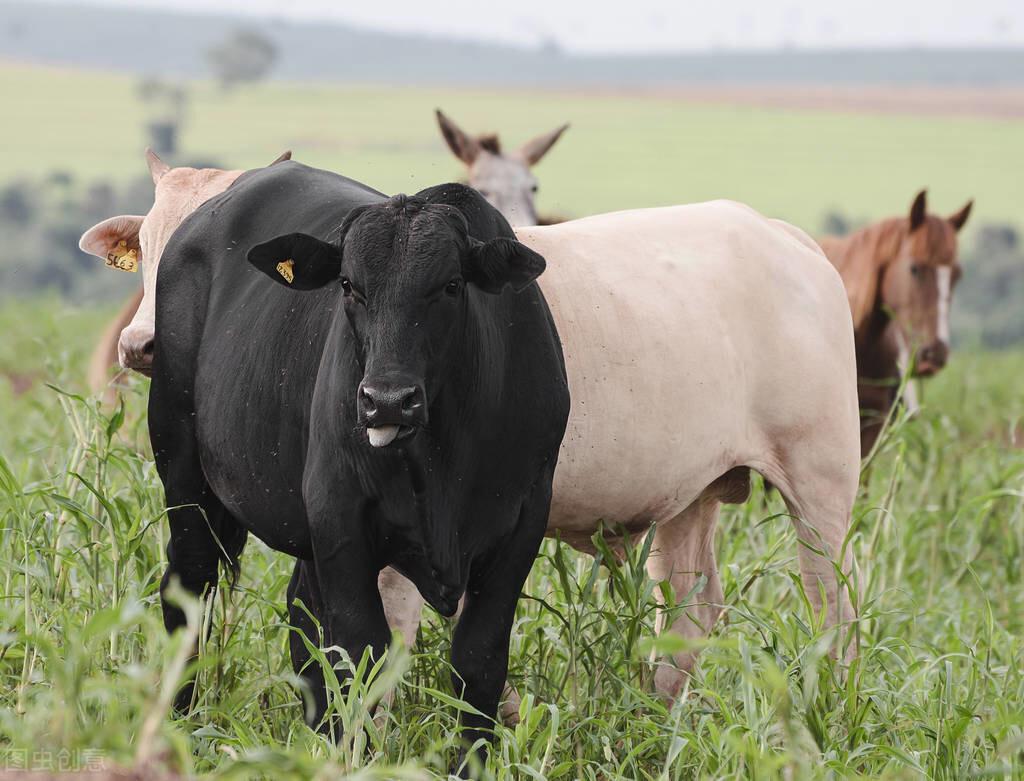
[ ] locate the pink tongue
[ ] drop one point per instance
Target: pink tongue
(382, 435)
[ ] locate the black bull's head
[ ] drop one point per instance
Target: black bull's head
(405, 270)
(402, 268)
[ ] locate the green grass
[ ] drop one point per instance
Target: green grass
(937, 691)
(621, 152)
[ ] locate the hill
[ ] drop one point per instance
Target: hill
(143, 41)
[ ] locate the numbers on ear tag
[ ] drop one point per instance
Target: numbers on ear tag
(122, 258)
(286, 269)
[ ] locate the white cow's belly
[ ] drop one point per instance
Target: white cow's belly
(692, 336)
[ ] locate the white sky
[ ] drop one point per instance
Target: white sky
(661, 25)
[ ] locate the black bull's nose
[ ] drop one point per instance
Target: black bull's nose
(391, 404)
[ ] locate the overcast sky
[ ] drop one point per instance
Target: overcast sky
(662, 25)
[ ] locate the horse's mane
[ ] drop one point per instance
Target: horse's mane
(860, 258)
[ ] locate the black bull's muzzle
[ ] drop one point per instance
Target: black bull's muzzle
(391, 409)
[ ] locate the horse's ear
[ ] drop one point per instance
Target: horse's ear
(534, 149)
(957, 220)
(463, 146)
(918, 210)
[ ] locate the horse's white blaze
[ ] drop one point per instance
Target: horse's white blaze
(382, 435)
(903, 361)
(945, 283)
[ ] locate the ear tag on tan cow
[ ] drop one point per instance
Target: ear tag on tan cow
(122, 258)
(284, 268)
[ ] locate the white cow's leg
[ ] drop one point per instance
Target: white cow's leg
(403, 607)
(683, 553)
(820, 497)
(403, 604)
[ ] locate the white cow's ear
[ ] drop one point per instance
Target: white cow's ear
(502, 261)
(297, 260)
(157, 167)
(104, 238)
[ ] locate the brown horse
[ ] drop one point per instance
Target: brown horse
(503, 178)
(899, 276)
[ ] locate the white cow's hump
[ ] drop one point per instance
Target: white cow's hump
(730, 232)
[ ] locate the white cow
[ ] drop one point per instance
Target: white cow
(700, 342)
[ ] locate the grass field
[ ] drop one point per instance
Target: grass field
(938, 688)
(621, 152)
(937, 692)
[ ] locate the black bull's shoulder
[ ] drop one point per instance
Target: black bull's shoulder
(262, 378)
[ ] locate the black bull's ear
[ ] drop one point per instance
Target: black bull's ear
(297, 260)
(502, 261)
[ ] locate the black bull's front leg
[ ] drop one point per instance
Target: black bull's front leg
(202, 532)
(348, 600)
(480, 646)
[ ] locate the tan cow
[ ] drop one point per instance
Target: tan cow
(138, 241)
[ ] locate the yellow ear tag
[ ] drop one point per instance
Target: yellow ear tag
(284, 268)
(122, 258)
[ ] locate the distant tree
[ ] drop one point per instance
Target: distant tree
(996, 239)
(836, 224)
(245, 55)
(166, 103)
(17, 203)
(986, 307)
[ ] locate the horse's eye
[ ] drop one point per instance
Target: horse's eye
(533, 188)
(915, 269)
(346, 286)
(453, 287)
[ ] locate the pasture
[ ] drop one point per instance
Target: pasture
(622, 151)
(938, 688)
(936, 692)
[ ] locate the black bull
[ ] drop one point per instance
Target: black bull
(403, 315)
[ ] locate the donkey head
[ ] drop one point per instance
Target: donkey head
(504, 179)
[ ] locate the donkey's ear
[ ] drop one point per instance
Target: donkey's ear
(534, 149)
(502, 261)
(957, 220)
(297, 260)
(463, 146)
(918, 210)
